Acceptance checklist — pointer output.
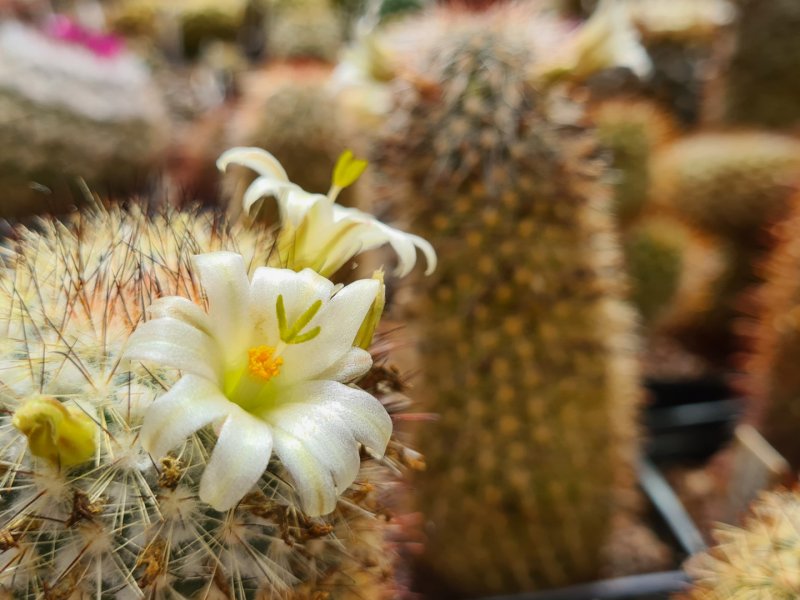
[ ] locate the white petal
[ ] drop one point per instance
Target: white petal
(375, 234)
(299, 291)
(339, 321)
(364, 415)
(261, 161)
(325, 435)
(224, 278)
(350, 367)
(182, 309)
(173, 343)
(265, 187)
(191, 404)
(313, 481)
(427, 250)
(296, 203)
(239, 458)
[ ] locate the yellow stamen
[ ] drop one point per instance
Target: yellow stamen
(262, 362)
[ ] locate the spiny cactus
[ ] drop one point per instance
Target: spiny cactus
(197, 22)
(771, 369)
(673, 268)
(528, 358)
(758, 83)
(733, 184)
(125, 524)
(302, 30)
(69, 112)
(632, 129)
(760, 561)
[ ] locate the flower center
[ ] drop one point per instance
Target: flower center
(262, 362)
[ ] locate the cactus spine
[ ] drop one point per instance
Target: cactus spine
(528, 351)
(123, 524)
(760, 561)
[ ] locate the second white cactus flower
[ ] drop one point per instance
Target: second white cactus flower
(268, 366)
(608, 39)
(316, 232)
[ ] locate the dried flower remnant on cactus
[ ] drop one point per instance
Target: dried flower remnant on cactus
(269, 365)
(316, 232)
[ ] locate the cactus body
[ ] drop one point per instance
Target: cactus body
(632, 130)
(305, 30)
(772, 378)
(760, 561)
(528, 347)
(68, 112)
(673, 268)
(124, 524)
(196, 22)
(732, 184)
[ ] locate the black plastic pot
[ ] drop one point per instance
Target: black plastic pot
(688, 421)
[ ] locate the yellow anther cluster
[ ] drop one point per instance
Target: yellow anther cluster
(262, 363)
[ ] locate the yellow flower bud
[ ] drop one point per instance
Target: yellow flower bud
(63, 435)
(367, 330)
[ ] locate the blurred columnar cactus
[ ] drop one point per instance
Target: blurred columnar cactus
(771, 369)
(66, 110)
(760, 561)
(528, 355)
(124, 524)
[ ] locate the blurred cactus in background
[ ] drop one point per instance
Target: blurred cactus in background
(70, 110)
(123, 524)
(757, 83)
(772, 377)
(192, 23)
(760, 561)
(673, 268)
(632, 129)
(304, 29)
(288, 106)
(732, 185)
(527, 350)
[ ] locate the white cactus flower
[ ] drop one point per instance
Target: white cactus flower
(267, 366)
(608, 39)
(316, 232)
